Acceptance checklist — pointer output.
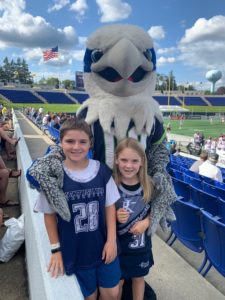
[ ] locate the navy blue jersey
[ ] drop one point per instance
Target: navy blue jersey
(135, 250)
(134, 203)
(83, 238)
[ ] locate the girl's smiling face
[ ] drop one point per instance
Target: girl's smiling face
(75, 145)
(129, 163)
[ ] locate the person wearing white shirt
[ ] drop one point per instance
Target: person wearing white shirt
(209, 168)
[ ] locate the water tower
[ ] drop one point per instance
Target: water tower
(213, 76)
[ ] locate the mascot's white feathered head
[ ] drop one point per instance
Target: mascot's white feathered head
(119, 76)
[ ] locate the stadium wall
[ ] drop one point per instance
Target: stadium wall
(41, 285)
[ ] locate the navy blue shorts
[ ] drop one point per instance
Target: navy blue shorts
(135, 265)
(104, 275)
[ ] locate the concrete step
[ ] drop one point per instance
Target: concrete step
(173, 278)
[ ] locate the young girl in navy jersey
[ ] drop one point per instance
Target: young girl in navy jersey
(85, 246)
(133, 208)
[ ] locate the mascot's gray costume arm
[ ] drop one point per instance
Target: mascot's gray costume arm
(119, 76)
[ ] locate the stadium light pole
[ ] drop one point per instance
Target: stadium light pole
(169, 92)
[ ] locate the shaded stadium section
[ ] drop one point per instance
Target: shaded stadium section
(194, 100)
(79, 97)
(165, 100)
(18, 96)
(55, 97)
(216, 101)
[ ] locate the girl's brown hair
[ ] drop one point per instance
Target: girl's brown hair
(75, 124)
(144, 178)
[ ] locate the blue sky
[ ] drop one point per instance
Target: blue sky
(189, 36)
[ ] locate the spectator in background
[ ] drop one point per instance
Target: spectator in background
(5, 174)
(208, 144)
(55, 122)
(195, 166)
(177, 153)
(1, 217)
(209, 168)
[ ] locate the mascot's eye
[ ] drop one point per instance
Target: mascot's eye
(96, 55)
(148, 54)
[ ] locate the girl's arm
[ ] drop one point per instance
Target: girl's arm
(55, 266)
(140, 226)
(109, 252)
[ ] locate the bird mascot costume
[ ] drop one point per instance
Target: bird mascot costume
(119, 77)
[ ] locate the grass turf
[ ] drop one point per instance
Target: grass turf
(189, 127)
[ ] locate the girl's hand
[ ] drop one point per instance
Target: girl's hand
(55, 266)
(140, 226)
(122, 215)
(109, 252)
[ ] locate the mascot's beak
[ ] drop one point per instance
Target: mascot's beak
(123, 61)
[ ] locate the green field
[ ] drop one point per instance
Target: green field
(69, 108)
(189, 127)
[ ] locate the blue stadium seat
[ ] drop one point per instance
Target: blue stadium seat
(191, 173)
(193, 181)
(18, 96)
(55, 97)
(214, 243)
(163, 100)
(79, 97)
(213, 190)
(204, 200)
(177, 174)
(193, 100)
(216, 101)
(181, 188)
(187, 227)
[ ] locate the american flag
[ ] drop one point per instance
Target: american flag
(50, 53)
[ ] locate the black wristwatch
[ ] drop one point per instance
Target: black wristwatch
(55, 250)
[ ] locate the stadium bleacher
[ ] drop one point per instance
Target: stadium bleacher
(55, 97)
(19, 96)
(216, 101)
(163, 100)
(193, 100)
(79, 97)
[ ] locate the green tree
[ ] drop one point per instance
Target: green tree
(68, 84)
(53, 81)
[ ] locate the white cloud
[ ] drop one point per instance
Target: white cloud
(80, 7)
(22, 30)
(78, 55)
(166, 50)
(58, 5)
(203, 44)
(82, 41)
(165, 60)
(157, 32)
(112, 11)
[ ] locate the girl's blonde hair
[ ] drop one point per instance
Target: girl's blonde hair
(144, 178)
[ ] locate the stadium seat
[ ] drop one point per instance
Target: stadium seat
(221, 203)
(213, 190)
(214, 243)
(178, 174)
(204, 200)
(181, 188)
(187, 227)
(193, 181)
(220, 185)
(191, 173)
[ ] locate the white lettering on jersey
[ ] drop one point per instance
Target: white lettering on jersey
(87, 216)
